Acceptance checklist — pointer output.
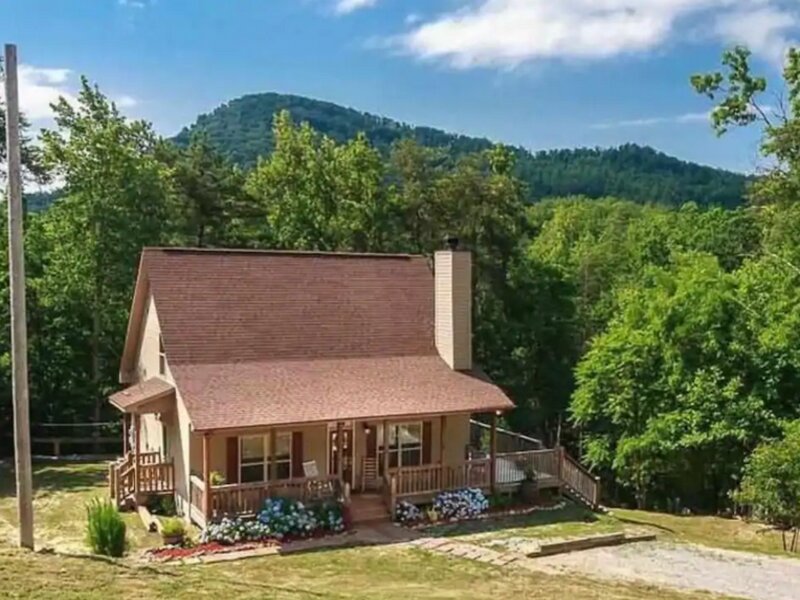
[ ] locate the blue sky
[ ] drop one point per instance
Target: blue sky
(538, 73)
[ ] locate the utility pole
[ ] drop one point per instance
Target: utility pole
(19, 334)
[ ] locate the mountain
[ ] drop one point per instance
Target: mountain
(241, 130)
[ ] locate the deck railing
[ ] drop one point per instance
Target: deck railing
(156, 475)
(156, 478)
(248, 498)
(197, 490)
(580, 481)
(417, 481)
(513, 467)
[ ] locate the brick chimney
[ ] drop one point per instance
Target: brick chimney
(453, 312)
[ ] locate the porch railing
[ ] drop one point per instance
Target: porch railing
(415, 481)
(197, 491)
(248, 498)
(156, 475)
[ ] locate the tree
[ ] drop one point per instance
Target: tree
(320, 195)
(771, 483)
(739, 92)
(118, 199)
(696, 367)
(30, 153)
(212, 208)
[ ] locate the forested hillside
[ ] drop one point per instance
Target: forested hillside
(242, 131)
(661, 342)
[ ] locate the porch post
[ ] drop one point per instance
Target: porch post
(272, 470)
(137, 450)
(493, 454)
(385, 427)
(125, 448)
(339, 450)
(442, 422)
(206, 478)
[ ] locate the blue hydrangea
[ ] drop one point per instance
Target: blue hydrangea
(277, 519)
(461, 504)
(406, 513)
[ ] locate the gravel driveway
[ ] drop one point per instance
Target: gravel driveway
(685, 566)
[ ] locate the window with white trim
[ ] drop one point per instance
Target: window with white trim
(255, 462)
(405, 445)
(253, 458)
(282, 461)
(162, 357)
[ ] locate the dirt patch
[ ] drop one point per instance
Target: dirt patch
(685, 566)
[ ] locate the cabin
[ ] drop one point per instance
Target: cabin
(309, 375)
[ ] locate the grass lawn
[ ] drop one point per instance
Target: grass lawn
(570, 521)
(378, 572)
(730, 534)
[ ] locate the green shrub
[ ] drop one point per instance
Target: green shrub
(105, 529)
(161, 505)
(172, 526)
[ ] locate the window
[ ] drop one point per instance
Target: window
(162, 357)
(405, 445)
(253, 458)
(255, 462)
(282, 461)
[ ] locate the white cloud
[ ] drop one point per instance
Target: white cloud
(40, 87)
(507, 33)
(690, 117)
(133, 3)
(125, 101)
(413, 18)
(348, 6)
(765, 30)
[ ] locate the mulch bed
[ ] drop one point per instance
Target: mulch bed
(167, 553)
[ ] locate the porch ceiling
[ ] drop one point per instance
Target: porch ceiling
(241, 395)
(152, 395)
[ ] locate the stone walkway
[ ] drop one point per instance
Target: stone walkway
(469, 551)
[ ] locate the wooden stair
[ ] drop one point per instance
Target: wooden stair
(369, 474)
(368, 508)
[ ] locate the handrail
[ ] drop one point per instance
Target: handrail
(508, 433)
(278, 483)
(248, 498)
(580, 467)
(542, 451)
(199, 483)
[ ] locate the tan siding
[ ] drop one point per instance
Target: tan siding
(314, 448)
(457, 438)
(147, 363)
(453, 314)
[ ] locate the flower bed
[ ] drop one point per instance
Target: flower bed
(279, 519)
(168, 553)
(430, 518)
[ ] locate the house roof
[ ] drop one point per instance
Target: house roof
(228, 306)
(256, 338)
(142, 393)
(242, 395)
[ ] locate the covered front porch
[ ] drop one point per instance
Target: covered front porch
(234, 472)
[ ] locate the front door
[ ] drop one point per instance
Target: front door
(343, 451)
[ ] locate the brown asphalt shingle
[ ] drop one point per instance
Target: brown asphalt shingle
(298, 391)
(266, 338)
(145, 391)
(229, 306)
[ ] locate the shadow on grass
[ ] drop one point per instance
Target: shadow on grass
(644, 523)
(56, 476)
(570, 513)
